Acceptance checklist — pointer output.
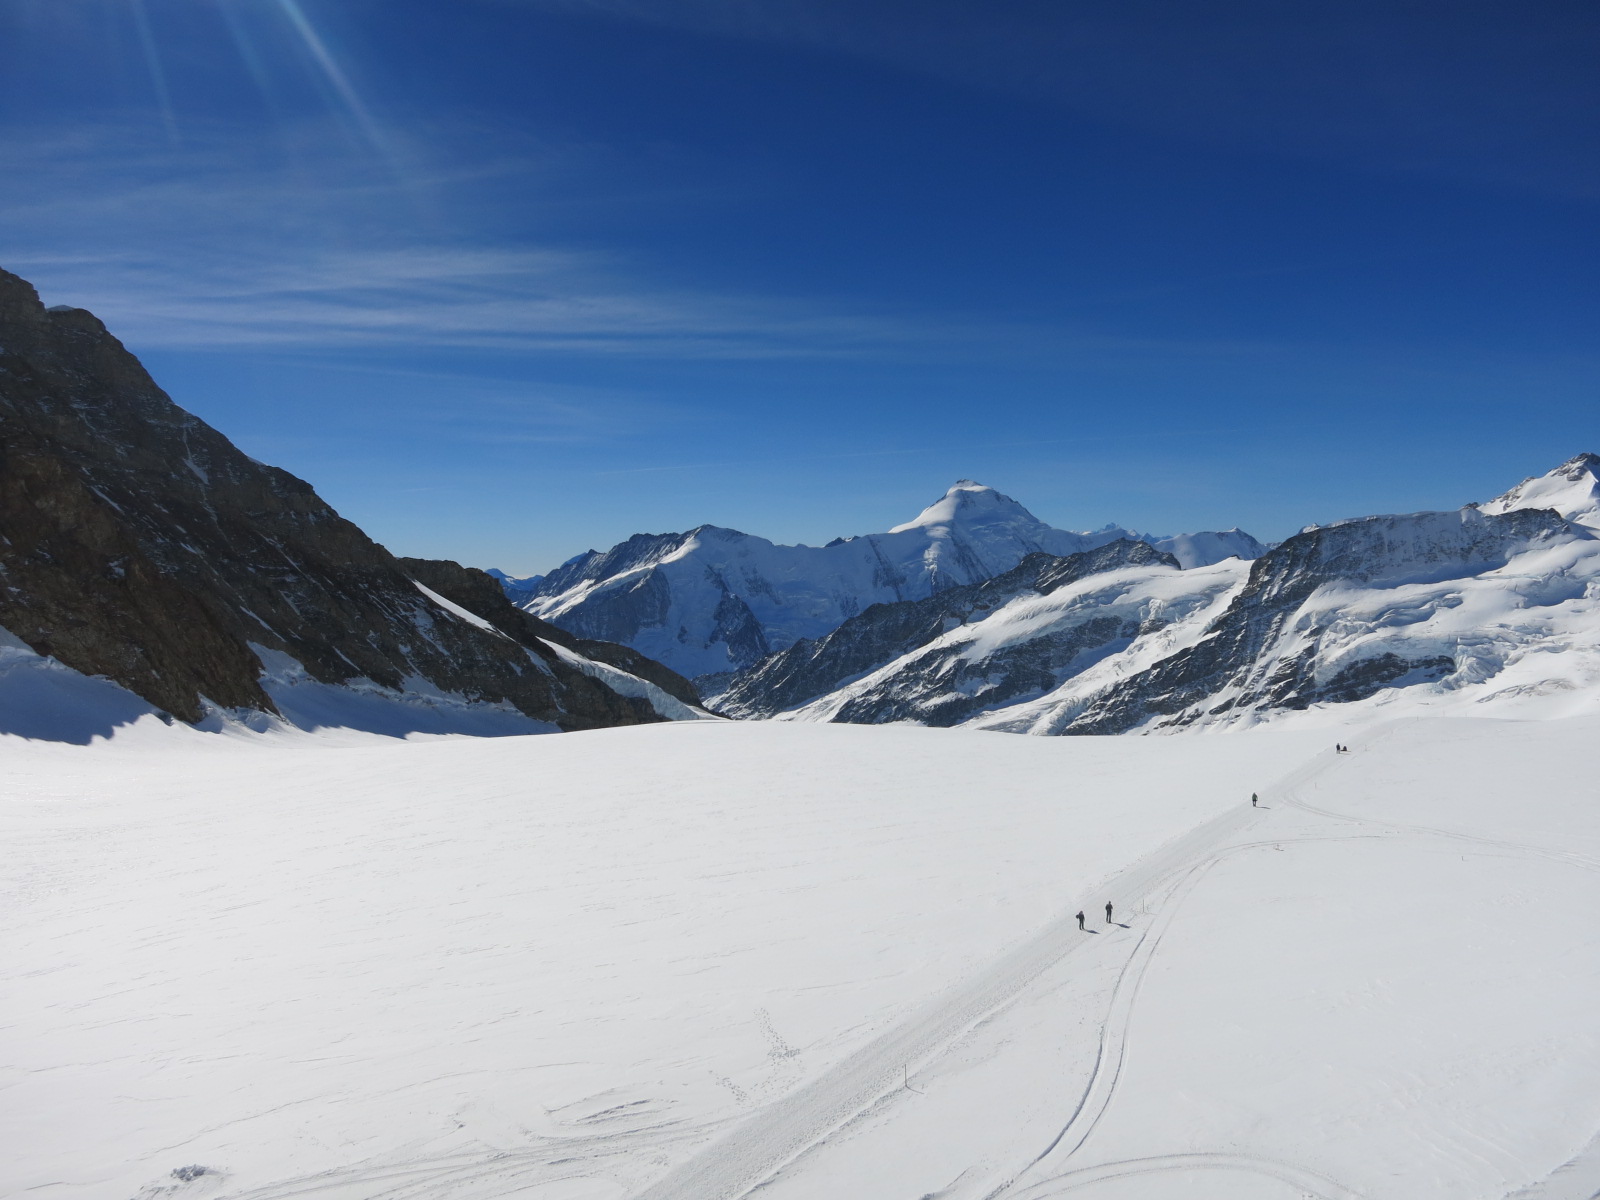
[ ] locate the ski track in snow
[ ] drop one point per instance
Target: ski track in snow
(1578, 1179)
(789, 1127)
(755, 1149)
(749, 1151)
(1309, 1183)
(1157, 886)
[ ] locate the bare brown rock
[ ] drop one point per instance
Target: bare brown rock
(139, 544)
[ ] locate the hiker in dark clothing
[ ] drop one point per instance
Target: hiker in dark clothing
(1080, 919)
(1108, 912)
(1253, 799)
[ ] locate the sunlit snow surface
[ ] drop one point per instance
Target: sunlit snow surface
(654, 960)
(678, 603)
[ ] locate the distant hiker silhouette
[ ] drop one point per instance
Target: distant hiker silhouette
(1080, 919)
(1108, 912)
(1253, 799)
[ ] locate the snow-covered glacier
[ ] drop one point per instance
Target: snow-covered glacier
(715, 600)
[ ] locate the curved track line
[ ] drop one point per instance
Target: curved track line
(788, 1127)
(1294, 1175)
(1107, 1071)
(751, 1152)
(1561, 856)
(1113, 1046)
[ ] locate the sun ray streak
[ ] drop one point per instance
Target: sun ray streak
(246, 47)
(158, 75)
(340, 82)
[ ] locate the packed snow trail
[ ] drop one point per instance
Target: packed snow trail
(1577, 1179)
(785, 1129)
(1293, 799)
(756, 1150)
(1309, 1183)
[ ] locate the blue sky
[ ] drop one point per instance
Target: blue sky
(507, 279)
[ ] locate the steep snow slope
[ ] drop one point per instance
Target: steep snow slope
(1459, 609)
(715, 600)
(1115, 621)
(1572, 489)
(685, 960)
(881, 640)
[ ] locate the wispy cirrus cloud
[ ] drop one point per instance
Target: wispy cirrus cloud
(209, 247)
(296, 244)
(511, 299)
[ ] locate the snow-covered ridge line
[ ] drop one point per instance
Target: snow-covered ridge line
(621, 682)
(455, 610)
(1493, 607)
(715, 600)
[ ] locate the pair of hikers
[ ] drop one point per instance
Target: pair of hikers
(1108, 915)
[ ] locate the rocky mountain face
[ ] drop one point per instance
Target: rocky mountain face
(1278, 644)
(811, 669)
(138, 544)
(713, 601)
(1495, 605)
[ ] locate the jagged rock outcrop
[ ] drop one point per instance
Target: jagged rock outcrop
(138, 544)
(884, 632)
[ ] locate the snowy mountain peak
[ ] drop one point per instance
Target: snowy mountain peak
(1572, 489)
(714, 600)
(967, 500)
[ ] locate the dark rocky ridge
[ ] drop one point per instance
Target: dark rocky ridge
(882, 633)
(480, 593)
(137, 543)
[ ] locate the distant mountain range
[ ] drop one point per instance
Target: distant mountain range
(1493, 605)
(713, 601)
(150, 567)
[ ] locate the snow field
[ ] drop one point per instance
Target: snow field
(1382, 988)
(544, 966)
